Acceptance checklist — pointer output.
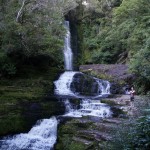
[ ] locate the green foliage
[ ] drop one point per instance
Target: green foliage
(7, 67)
(141, 60)
(36, 31)
(115, 35)
(99, 41)
(135, 132)
(141, 135)
(118, 32)
(135, 136)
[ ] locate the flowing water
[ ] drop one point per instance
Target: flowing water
(68, 56)
(43, 135)
(88, 106)
(63, 84)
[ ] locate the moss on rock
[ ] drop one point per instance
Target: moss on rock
(24, 99)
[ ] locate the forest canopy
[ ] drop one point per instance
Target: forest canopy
(31, 32)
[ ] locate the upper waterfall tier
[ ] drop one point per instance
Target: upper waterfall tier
(68, 55)
(79, 84)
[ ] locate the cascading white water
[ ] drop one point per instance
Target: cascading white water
(88, 107)
(68, 56)
(104, 87)
(63, 84)
(41, 137)
(44, 134)
(68, 106)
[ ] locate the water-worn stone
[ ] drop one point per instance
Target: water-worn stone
(83, 84)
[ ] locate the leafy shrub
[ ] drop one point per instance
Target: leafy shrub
(140, 137)
(7, 67)
(135, 134)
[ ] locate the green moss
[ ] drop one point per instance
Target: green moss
(28, 87)
(109, 102)
(11, 123)
(24, 89)
(76, 146)
(66, 142)
(68, 132)
(68, 128)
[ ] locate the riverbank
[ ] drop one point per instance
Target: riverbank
(27, 98)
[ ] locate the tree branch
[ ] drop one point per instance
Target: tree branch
(20, 11)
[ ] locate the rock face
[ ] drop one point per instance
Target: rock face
(117, 74)
(84, 85)
(117, 71)
(25, 114)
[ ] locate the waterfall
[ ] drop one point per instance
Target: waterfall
(88, 107)
(63, 85)
(41, 137)
(104, 87)
(67, 49)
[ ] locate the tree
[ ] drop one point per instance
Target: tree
(31, 29)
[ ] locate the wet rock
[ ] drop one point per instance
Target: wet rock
(115, 88)
(116, 111)
(117, 74)
(85, 141)
(84, 85)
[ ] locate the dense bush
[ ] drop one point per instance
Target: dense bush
(140, 138)
(118, 32)
(30, 29)
(135, 132)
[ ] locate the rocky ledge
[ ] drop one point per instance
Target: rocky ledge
(117, 74)
(115, 71)
(91, 133)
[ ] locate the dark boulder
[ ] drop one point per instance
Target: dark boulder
(83, 84)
